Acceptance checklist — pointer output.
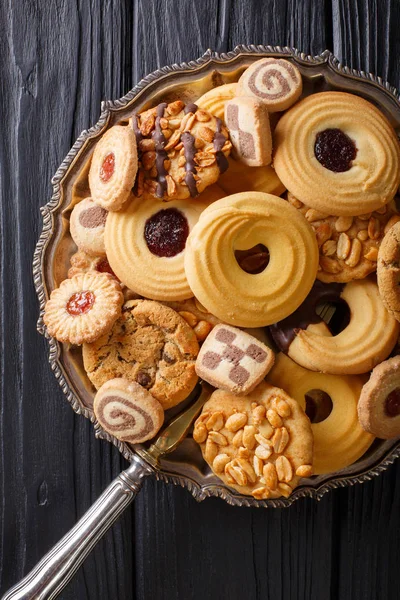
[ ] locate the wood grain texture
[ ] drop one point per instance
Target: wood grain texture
(60, 58)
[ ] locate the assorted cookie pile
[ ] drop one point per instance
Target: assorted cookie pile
(236, 239)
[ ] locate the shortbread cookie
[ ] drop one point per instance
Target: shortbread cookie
(151, 344)
(114, 166)
(248, 123)
(348, 246)
(146, 242)
(240, 178)
(128, 411)
(81, 262)
(274, 81)
(389, 270)
(195, 315)
(337, 153)
(83, 308)
(367, 339)
(86, 225)
(330, 402)
(379, 406)
(260, 444)
(231, 359)
(182, 150)
(214, 100)
(235, 223)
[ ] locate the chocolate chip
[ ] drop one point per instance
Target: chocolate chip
(143, 378)
(168, 359)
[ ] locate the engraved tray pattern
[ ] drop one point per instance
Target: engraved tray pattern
(185, 466)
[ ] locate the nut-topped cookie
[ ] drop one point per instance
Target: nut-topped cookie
(260, 444)
(182, 150)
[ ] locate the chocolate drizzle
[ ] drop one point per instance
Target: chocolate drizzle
(161, 155)
(219, 142)
(190, 108)
(286, 330)
(190, 166)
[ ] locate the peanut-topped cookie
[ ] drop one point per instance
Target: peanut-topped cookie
(151, 344)
(182, 150)
(260, 444)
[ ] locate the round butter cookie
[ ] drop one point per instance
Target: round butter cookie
(260, 444)
(379, 406)
(86, 225)
(365, 341)
(114, 166)
(150, 344)
(330, 401)
(241, 178)
(128, 411)
(214, 100)
(337, 153)
(235, 223)
(83, 308)
(348, 246)
(389, 271)
(182, 150)
(146, 241)
(274, 81)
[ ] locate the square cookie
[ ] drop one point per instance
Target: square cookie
(231, 359)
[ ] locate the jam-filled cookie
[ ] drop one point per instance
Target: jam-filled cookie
(337, 153)
(182, 150)
(128, 411)
(215, 99)
(260, 444)
(83, 308)
(348, 246)
(150, 344)
(248, 122)
(233, 224)
(379, 406)
(365, 341)
(86, 225)
(274, 81)
(389, 271)
(114, 166)
(330, 401)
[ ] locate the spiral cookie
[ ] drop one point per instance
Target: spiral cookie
(83, 308)
(182, 150)
(348, 246)
(87, 224)
(379, 406)
(337, 153)
(235, 223)
(151, 344)
(146, 241)
(331, 403)
(274, 81)
(240, 178)
(214, 100)
(128, 411)
(367, 339)
(260, 444)
(248, 123)
(389, 271)
(114, 166)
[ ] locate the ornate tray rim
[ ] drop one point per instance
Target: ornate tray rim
(209, 57)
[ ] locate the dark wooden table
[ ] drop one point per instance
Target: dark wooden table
(59, 59)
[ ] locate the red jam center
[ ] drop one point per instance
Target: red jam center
(166, 232)
(103, 266)
(107, 168)
(334, 150)
(80, 303)
(392, 404)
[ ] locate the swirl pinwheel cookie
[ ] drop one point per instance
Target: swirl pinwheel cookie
(235, 223)
(365, 341)
(330, 401)
(337, 153)
(214, 100)
(146, 242)
(128, 411)
(114, 167)
(83, 308)
(87, 224)
(260, 444)
(274, 81)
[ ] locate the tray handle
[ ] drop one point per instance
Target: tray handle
(57, 567)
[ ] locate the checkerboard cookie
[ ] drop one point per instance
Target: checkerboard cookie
(248, 123)
(233, 360)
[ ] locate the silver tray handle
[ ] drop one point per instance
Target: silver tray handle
(53, 572)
